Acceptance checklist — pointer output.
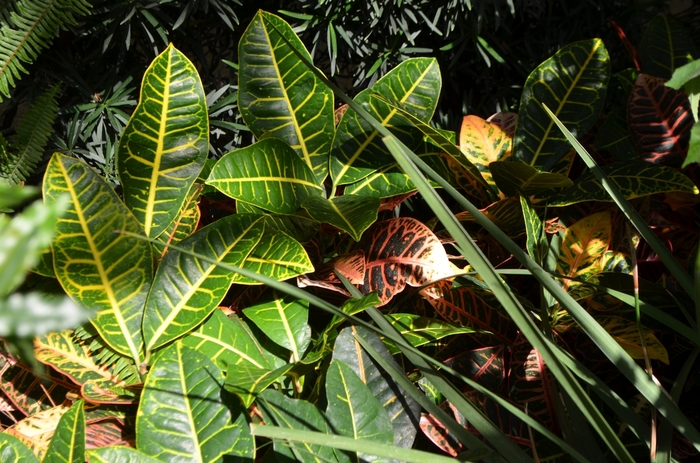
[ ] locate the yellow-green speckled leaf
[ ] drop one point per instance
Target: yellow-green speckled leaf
(626, 333)
(166, 142)
(483, 142)
(106, 272)
(584, 246)
(572, 83)
(280, 97)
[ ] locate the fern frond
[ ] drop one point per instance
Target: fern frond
(33, 132)
(31, 27)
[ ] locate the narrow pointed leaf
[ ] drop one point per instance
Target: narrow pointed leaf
(353, 410)
(573, 84)
(583, 247)
(276, 255)
(183, 416)
(187, 289)
(296, 414)
(279, 97)
(12, 450)
(284, 320)
(227, 341)
(633, 179)
(353, 214)
(535, 239)
(165, 144)
(665, 47)
(68, 441)
(402, 409)
(357, 147)
(119, 455)
(103, 271)
(516, 178)
(267, 174)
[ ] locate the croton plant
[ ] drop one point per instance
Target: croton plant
(189, 357)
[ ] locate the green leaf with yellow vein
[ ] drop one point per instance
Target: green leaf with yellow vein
(357, 148)
(186, 289)
(633, 178)
(165, 144)
(626, 333)
(247, 381)
(350, 213)
(572, 83)
(535, 239)
(516, 178)
(227, 341)
(73, 357)
(353, 410)
(68, 441)
(422, 330)
(277, 255)
(119, 455)
(106, 392)
(13, 450)
(267, 174)
(106, 272)
(442, 140)
(665, 47)
(583, 248)
(289, 413)
(403, 411)
(284, 320)
(183, 415)
(483, 142)
(280, 97)
(184, 224)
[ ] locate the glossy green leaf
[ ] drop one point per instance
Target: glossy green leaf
(12, 450)
(633, 179)
(119, 455)
(402, 410)
(296, 414)
(284, 320)
(353, 410)
(183, 415)
(104, 271)
(516, 178)
(227, 341)
(68, 441)
(35, 314)
(165, 144)
(187, 289)
(277, 255)
(45, 265)
(353, 214)
(23, 238)
(572, 83)
(535, 239)
(184, 224)
(665, 46)
(267, 174)
(694, 148)
(357, 147)
(279, 97)
(247, 381)
(422, 330)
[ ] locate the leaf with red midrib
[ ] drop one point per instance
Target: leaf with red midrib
(399, 252)
(660, 120)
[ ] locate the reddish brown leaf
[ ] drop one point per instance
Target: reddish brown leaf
(483, 365)
(109, 432)
(439, 435)
(388, 204)
(472, 307)
(506, 121)
(339, 111)
(660, 120)
(399, 252)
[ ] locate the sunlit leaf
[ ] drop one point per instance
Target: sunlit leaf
(36, 431)
(12, 450)
(422, 330)
(68, 441)
(247, 381)
(350, 213)
(119, 455)
(583, 247)
(165, 144)
(483, 142)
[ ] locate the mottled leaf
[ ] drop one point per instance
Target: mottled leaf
(626, 333)
(583, 248)
(68, 441)
(483, 142)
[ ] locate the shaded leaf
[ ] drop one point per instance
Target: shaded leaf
(421, 330)
(182, 415)
(184, 224)
(247, 381)
(665, 47)
(350, 213)
(484, 365)
(515, 178)
(625, 332)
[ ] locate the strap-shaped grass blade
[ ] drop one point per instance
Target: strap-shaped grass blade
(186, 289)
(350, 213)
(68, 441)
(106, 272)
(280, 97)
(267, 174)
(183, 415)
(573, 83)
(357, 147)
(13, 450)
(166, 142)
(402, 410)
